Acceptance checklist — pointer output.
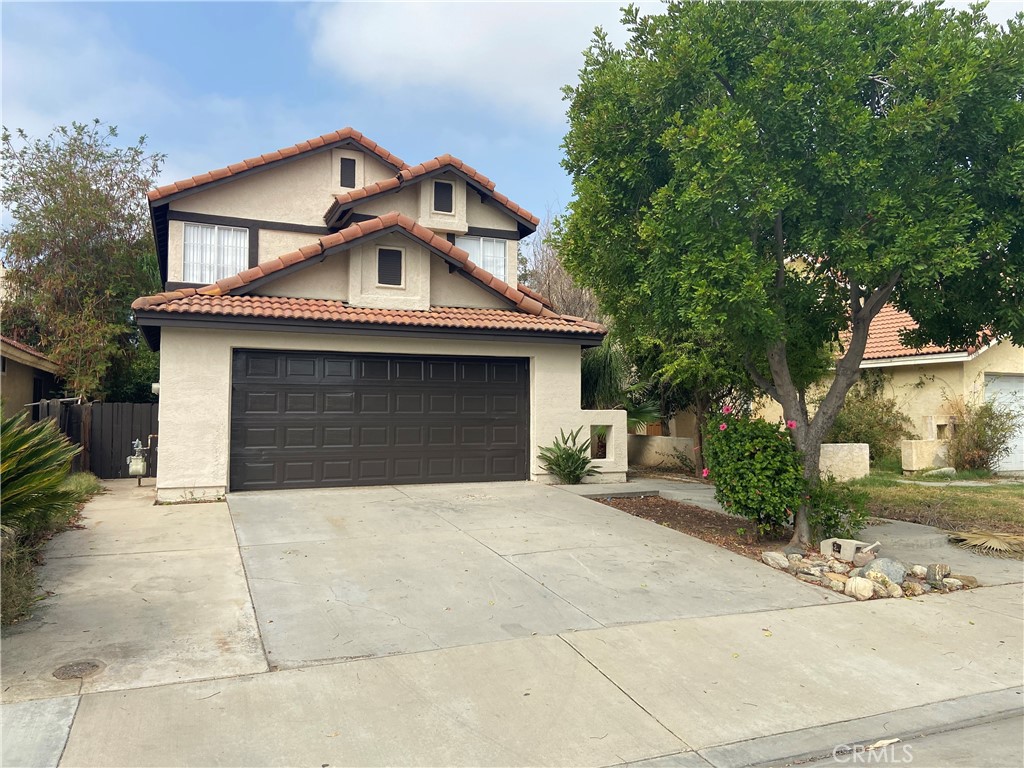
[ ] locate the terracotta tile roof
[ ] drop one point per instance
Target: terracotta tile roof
(884, 337)
(520, 300)
(339, 311)
(281, 154)
(411, 174)
(534, 295)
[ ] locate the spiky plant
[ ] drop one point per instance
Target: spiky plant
(567, 459)
(992, 543)
(34, 460)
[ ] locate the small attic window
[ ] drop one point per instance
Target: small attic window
(348, 172)
(444, 197)
(389, 267)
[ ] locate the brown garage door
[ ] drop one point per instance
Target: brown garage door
(304, 420)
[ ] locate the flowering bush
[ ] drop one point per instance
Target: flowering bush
(755, 468)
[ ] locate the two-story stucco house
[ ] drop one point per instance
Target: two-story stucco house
(332, 316)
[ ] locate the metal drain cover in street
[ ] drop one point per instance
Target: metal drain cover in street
(77, 669)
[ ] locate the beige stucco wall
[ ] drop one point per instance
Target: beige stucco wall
(414, 293)
(195, 398)
(328, 279)
(274, 243)
(658, 450)
(454, 290)
(844, 461)
(439, 221)
(916, 455)
(405, 201)
(15, 387)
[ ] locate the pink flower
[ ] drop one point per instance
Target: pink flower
(705, 473)
(722, 427)
(791, 424)
(727, 410)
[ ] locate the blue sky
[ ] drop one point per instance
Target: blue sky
(214, 83)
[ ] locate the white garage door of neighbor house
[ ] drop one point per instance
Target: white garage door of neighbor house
(1008, 391)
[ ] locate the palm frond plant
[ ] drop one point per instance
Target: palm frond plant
(34, 460)
(992, 543)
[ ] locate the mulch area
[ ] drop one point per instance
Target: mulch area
(713, 527)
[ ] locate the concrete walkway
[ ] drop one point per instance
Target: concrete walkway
(186, 681)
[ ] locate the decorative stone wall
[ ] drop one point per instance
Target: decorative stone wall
(922, 454)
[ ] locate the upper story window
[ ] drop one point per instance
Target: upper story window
(389, 267)
(348, 172)
(488, 252)
(444, 197)
(214, 252)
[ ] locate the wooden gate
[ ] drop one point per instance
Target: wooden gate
(106, 432)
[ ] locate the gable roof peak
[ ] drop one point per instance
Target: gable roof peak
(347, 134)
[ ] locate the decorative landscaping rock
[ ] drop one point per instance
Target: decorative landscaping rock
(838, 566)
(855, 572)
(879, 589)
(895, 590)
(894, 570)
(919, 571)
(913, 589)
(810, 578)
(952, 584)
(935, 573)
(775, 560)
(837, 578)
(863, 558)
(860, 589)
(941, 472)
(969, 582)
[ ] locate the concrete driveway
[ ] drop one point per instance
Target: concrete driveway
(502, 625)
(351, 573)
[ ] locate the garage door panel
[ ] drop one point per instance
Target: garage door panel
(315, 419)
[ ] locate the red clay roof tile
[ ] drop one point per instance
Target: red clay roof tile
(277, 155)
(338, 311)
(884, 337)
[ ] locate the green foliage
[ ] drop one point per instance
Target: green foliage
(755, 468)
(34, 461)
(982, 434)
(868, 416)
(762, 177)
(131, 374)
(604, 375)
(17, 578)
(79, 250)
(837, 510)
(567, 458)
(83, 485)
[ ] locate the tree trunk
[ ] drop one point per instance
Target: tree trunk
(700, 410)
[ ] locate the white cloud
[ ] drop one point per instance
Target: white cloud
(514, 56)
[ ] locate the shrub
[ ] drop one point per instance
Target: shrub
(17, 579)
(567, 459)
(868, 416)
(837, 510)
(755, 468)
(982, 434)
(34, 460)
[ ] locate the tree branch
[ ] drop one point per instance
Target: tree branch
(726, 84)
(761, 381)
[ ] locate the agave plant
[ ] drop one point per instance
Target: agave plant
(990, 543)
(34, 460)
(567, 458)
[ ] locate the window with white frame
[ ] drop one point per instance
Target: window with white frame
(213, 252)
(488, 252)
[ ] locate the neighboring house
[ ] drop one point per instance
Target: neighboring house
(26, 376)
(923, 381)
(333, 316)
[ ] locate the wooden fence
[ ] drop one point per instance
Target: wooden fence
(106, 432)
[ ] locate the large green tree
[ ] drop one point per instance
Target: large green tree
(78, 250)
(769, 175)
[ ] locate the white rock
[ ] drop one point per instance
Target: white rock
(860, 588)
(952, 584)
(895, 590)
(919, 571)
(775, 560)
